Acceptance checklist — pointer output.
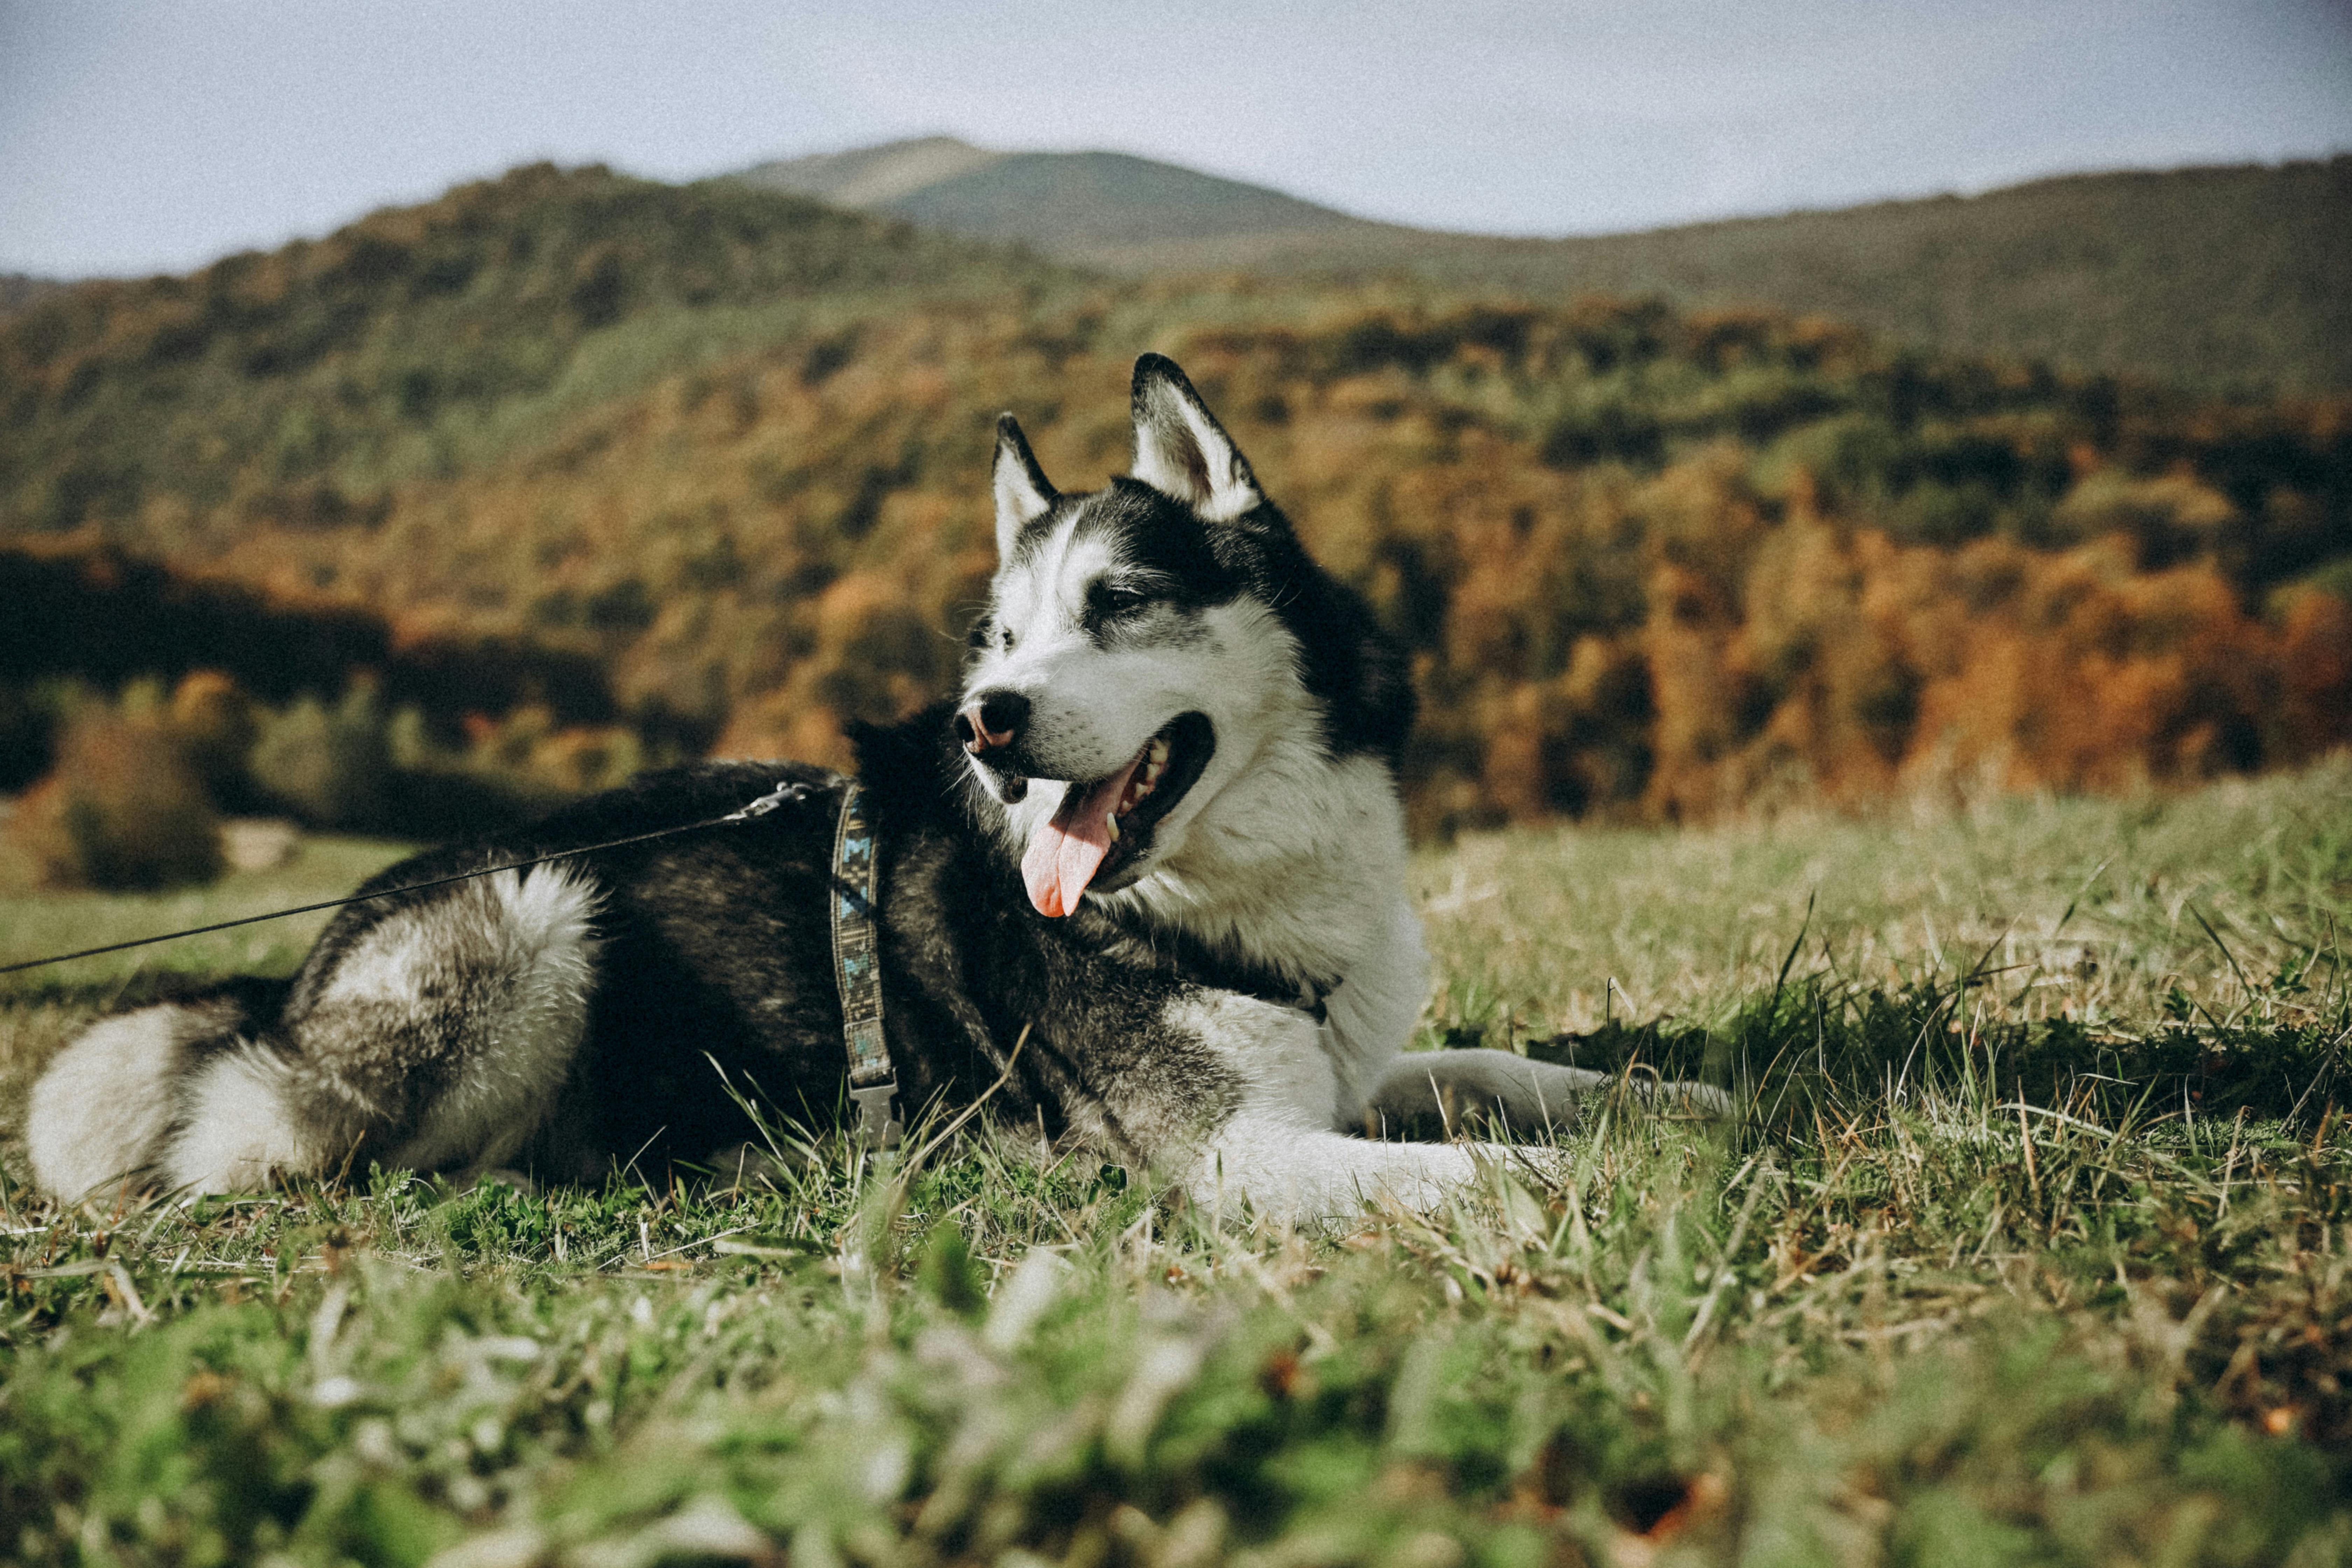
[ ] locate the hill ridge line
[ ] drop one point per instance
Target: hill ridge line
(2225, 277)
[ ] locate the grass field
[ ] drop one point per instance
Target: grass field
(2035, 1246)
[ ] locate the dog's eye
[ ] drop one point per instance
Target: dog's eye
(983, 632)
(1108, 601)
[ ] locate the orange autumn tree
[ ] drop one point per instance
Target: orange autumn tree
(1649, 566)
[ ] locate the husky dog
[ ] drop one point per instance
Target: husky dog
(1158, 838)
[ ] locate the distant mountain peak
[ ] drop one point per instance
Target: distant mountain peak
(873, 176)
(1065, 204)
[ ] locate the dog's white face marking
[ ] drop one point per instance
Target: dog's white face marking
(1107, 661)
(1142, 629)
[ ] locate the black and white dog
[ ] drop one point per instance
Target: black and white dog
(1159, 832)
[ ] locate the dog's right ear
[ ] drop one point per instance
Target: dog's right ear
(1022, 491)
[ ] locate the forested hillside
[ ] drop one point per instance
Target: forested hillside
(297, 384)
(1653, 565)
(2232, 279)
(1649, 565)
(18, 290)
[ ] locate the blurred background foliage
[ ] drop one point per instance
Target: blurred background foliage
(473, 504)
(136, 785)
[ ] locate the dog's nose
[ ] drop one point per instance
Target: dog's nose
(991, 722)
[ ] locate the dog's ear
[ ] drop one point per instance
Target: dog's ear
(1022, 491)
(1181, 451)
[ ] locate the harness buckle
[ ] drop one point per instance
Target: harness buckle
(877, 1127)
(769, 802)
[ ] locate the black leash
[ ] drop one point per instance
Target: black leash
(760, 807)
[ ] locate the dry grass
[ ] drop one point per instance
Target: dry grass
(2092, 909)
(1919, 1308)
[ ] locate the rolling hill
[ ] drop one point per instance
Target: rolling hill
(1087, 208)
(18, 289)
(422, 340)
(712, 460)
(2234, 279)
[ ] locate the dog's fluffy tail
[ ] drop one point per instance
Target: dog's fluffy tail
(436, 1035)
(106, 1106)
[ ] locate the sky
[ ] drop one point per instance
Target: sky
(138, 137)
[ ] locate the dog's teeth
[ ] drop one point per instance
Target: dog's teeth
(1159, 752)
(1114, 830)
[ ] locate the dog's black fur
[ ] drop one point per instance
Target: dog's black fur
(715, 978)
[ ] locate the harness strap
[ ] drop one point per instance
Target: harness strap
(856, 963)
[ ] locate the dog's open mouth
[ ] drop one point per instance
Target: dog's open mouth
(1105, 827)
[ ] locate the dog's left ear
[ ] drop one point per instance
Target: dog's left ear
(1181, 451)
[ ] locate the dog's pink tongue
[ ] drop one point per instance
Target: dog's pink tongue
(1065, 853)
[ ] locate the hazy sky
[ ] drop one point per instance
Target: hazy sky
(143, 136)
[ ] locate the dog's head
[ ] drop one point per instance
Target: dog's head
(1160, 659)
